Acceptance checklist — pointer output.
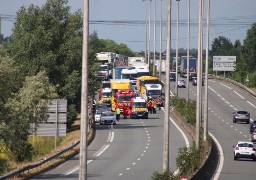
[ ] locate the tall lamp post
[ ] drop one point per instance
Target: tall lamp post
(149, 24)
(154, 60)
(206, 74)
(167, 93)
(188, 49)
(177, 48)
(146, 48)
(160, 51)
(84, 94)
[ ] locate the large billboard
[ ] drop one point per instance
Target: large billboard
(224, 63)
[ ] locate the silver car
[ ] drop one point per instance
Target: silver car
(242, 116)
(108, 117)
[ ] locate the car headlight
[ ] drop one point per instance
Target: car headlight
(146, 110)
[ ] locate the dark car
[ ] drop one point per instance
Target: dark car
(253, 137)
(192, 75)
(194, 81)
(252, 127)
(241, 116)
(172, 76)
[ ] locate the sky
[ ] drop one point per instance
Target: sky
(124, 21)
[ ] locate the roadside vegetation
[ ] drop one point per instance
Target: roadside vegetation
(189, 159)
(41, 61)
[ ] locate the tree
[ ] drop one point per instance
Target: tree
(50, 39)
(28, 105)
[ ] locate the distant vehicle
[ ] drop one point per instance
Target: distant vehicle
(244, 149)
(107, 117)
(194, 81)
(242, 116)
(253, 137)
(172, 76)
(139, 108)
(192, 75)
(252, 127)
(181, 83)
(97, 116)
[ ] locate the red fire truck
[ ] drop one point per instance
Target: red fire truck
(123, 98)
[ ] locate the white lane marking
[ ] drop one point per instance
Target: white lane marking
(221, 155)
(105, 147)
(127, 169)
(183, 134)
(72, 170)
(120, 174)
(225, 86)
(112, 137)
(223, 99)
(239, 94)
(251, 104)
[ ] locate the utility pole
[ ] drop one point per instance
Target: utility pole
(154, 60)
(199, 76)
(206, 74)
(146, 51)
(160, 57)
(167, 93)
(149, 24)
(177, 48)
(84, 94)
(188, 49)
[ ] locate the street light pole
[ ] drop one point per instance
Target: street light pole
(160, 57)
(84, 95)
(206, 74)
(199, 76)
(146, 49)
(177, 48)
(167, 93)
(149, 24)
(154, 60)
(188, 49)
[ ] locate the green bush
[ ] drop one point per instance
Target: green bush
(3, 166)
(166, 175)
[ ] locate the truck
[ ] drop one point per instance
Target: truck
(157, 65)
(183, 65)
(143, 80)
(131, 74)
(152, 91)
(139, 108)
(123, 98)
(136, 59)
(106, 60)
(118, 84)
(118, 72)
(142, 70)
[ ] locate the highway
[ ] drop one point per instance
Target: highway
(224, 99)
(132, 149)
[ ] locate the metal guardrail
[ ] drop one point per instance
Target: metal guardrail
(35, 165)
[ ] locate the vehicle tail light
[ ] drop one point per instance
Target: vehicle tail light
(236, 148)
(254, 149)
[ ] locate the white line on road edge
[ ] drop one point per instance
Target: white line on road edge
(75, 169)
(239, 94)
(105, 147)
(251, 104)
(221, 155)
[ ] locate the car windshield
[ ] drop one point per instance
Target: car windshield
(153, 92)
(143, 74)
(107, 114)
(124, 98)
(245, 145)
(242, 112)
(106, 94)
(106, 85)
(103, 68)
(139, 105)
(98, 112)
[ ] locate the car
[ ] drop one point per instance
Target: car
(181, 83)
(172, 76)
(242, 116)
(252, 127)
(192, 75)
(244, 149)
(253, 136)
(107, 117)
(97, 116)
(194, 81)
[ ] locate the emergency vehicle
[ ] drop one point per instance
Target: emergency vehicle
(118, 84)
(105, 84)
(153, 91)
(106, 96)
(123, 98)
(139, 108)
(131, 74)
